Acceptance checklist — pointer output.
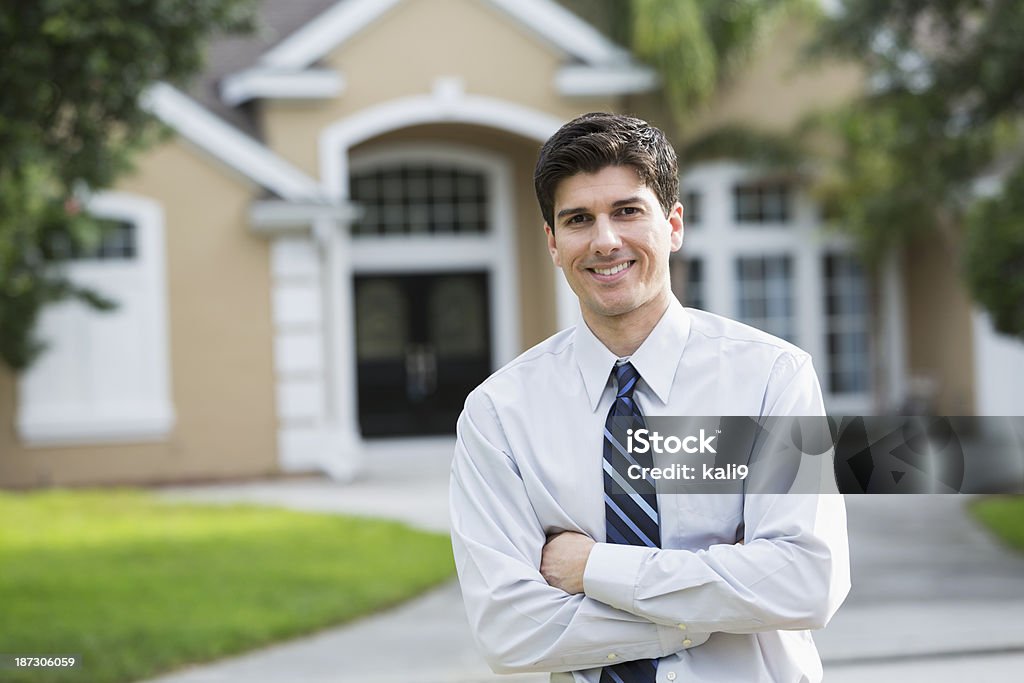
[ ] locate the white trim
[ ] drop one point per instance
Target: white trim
(586, 81)
(341, 22)
(345, 256)
(563, 30)
(892, 356)
(275, 216)
(293, 258)
(343, 459)
(256, 83)
(421, 254)
(325, 33)
(494, 251)
(150, 423)
(149, 419)
(445, 105)
(311, 437)
(718, 241)
(227, 143)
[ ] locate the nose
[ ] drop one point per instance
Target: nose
(606, 237)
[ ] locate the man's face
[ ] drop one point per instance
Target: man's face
(613, 240)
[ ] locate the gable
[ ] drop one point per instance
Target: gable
(547, 20)
(410, 48)
(590, 63)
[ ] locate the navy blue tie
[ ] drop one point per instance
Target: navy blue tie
(630, 504)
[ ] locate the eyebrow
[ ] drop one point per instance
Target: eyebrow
(636, 199)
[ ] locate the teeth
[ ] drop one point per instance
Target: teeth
(612, 271)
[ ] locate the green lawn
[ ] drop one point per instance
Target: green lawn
(136, 586)
(1004, 516)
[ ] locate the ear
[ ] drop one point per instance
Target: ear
(675, 220)
(552, 249)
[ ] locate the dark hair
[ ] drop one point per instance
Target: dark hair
(594, 141)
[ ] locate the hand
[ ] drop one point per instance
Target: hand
(563, 560)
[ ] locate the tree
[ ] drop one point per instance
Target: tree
(696, 46)
(941, 121)
(71, 74)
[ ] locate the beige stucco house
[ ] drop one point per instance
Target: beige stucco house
(341, 240)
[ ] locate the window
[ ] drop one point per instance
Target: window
(761, 256)
(420, 199)
(765, 294)
(691, 208)
(760, 203)
(688, 281)
(846, 325)
(117, 244)
(106, 375)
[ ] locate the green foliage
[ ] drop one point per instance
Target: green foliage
(771, 150)
(136, 586)
(945, 108)
(897, 176)
(671, 36)
(1004, 517)
(71, 74)
(694, 45)
(994, 257)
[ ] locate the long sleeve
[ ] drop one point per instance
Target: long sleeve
(519, 621)
(792, 572)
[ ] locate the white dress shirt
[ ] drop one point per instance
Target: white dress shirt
(528, 463)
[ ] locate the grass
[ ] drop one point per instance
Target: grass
(1004, 516)
(136, 586)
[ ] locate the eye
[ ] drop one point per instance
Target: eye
(629, 210)
(576, 219)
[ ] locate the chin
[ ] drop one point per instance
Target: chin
(613, 309)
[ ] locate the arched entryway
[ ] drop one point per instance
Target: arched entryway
(433, 281)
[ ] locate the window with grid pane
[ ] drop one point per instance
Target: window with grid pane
(687, 276)
(412, 199)
(691, 201)
(765, 294)
(764, 202)
(846, 325)
(117, 243)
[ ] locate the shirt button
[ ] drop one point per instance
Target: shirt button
(682, 627)
(611, 656)
(671, 675)
(687, 642)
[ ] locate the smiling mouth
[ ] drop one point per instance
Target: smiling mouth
(612, 270)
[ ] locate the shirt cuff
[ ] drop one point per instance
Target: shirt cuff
(612, 572)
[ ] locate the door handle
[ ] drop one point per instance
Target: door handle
(420, 371)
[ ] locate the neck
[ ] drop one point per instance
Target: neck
(623, 334)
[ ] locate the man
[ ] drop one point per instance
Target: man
(558, 572)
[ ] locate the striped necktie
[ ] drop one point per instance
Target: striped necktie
(630, 505)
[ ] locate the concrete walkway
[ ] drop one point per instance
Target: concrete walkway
(934, 598)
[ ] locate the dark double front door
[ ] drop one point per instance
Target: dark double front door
(422, 343)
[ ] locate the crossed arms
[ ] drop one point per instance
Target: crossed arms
(571, 605)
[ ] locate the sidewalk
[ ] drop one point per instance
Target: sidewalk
(934, 598)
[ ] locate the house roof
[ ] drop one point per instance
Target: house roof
(230, 145)
(545, 18)
(278, 19)
(595, 65)
(280, 60)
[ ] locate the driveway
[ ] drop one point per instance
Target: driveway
(934, 597)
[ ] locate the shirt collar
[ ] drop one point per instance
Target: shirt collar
(657, 359)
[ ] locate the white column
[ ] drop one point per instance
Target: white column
(893, 338)
(341, 456)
